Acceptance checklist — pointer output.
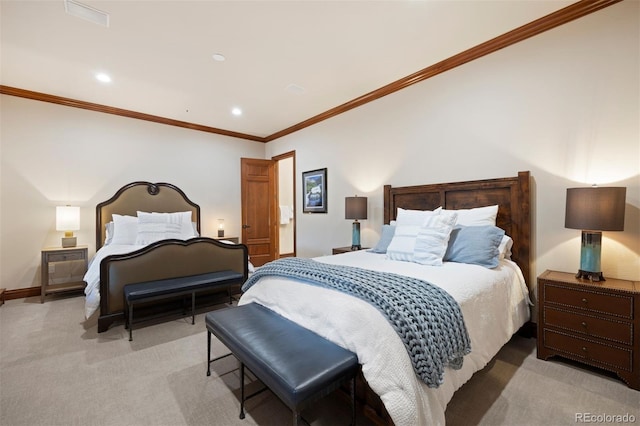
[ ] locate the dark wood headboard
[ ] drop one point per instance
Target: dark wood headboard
(511, 194)
(144, 196)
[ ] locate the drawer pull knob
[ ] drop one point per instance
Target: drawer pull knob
(584, 324)
(584, 349)
(584, 300)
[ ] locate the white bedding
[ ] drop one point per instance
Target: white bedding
(494, 303)
(92, 277)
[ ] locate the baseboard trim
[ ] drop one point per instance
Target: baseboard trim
(21, 293)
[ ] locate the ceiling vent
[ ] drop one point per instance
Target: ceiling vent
(83, 11)
(295, 89)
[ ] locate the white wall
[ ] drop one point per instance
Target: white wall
(563, 105)
(54, 155)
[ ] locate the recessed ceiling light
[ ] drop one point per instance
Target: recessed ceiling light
(236, 111)
(218, 57)
(102, 77)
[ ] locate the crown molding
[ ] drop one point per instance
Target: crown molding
(44, 97)
(548, 22)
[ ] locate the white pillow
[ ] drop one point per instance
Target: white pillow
(108, 233)
(433, 239)
(414, 217)
(477, 217)
(187, 227)
(403, 243)
(505, 247)
(125, 229)
(408, 224)
(154, 227)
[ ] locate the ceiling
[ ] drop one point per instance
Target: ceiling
(286, 61)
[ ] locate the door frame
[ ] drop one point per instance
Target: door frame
(277, 158)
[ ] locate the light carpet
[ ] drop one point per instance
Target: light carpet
(55, 369)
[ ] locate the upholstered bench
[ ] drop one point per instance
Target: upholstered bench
(296, 364)
(154, 290)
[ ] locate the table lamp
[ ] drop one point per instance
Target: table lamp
(355, 208)
(594, 210)
(68, 220)
(220, 228)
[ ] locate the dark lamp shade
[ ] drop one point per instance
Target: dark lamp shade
(355, 208)
(595, 208)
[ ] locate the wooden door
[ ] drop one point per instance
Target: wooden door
(259, 209)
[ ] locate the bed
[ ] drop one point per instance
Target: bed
(494, 302)
(121, 261)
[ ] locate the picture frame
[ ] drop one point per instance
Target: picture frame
(314, 191)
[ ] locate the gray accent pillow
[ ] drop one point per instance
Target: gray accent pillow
(385, 239)
(477, 245)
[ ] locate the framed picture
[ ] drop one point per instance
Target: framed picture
(314, 191)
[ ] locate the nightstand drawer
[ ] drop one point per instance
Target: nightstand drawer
(608, 303)
(65, 257)
(589, 351)
(589, 325)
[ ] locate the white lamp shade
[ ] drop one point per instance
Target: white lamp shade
(67, 218)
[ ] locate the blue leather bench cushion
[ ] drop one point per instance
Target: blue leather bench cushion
(295, 363)
(138, 291)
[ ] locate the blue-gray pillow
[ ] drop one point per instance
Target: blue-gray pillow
(385, 239)
(477, 245)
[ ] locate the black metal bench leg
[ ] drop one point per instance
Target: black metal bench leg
(208, 353)
(353, 401)
(242, 390)
(193, 308)
(130, 322)
(125, 303)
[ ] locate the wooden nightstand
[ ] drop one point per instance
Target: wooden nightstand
(338, 250)
(232, 239)
(596, 323)
(65, 257)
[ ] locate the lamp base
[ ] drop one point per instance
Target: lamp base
(69, 242)
(590, 256)
(355, 236)
(591, 276)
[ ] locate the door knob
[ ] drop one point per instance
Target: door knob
(246, 226)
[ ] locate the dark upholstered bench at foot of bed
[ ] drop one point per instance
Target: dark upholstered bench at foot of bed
(160, 289)
(296, 364)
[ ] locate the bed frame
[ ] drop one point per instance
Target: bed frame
(160, 260)
(512, 196)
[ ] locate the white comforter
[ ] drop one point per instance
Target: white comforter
(494, 304)
(92, 277)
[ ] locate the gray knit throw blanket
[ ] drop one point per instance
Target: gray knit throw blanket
(427, 318)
